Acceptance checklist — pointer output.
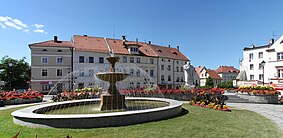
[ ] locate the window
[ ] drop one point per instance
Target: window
(138, 72)
(162, 59)
(59, 72)
(260, 76)
(132, 59)
(280, 56)
(138, 60)
(81, 59)
(182, 79)
(260, 54)
(177, 69)
(81, 85)
(151, 61)
(169, 68)
(59, 60)
(131, 72)
(177, 62)
(90, 72)
(59, 50)
(162, 67)
(260, 67)
(81, 72)
(44, 50)
(138, 84)
(280, 73)
(45, 87)
(134, 49)
(44, 60)
(251, 77)
(182, 69)
(169, 78)
(162, 77)
(178, 79)
(168, 60)
(125, 59)
(90, 60)
(151, 73)
(101, 59)
(44, 72)
(251, 56)
(251, 66)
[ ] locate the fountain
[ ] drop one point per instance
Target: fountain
(113, 100)
(113, 108)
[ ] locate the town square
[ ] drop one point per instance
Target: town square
(86, 69)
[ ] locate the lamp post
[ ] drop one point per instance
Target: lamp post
(262, 65)
(10, 71)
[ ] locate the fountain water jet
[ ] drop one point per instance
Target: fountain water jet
(113, 100)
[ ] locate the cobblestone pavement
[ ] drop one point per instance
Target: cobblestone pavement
(273, 112)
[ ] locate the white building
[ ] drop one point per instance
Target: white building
(204, 73)
(227, 73)
(251, 66)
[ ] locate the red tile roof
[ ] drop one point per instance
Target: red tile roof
(226, 69)
(213, 74)
(168, 52)
(198, 70)
(87, 43)
(53, 44)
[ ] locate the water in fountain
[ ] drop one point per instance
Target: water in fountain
(134, 82)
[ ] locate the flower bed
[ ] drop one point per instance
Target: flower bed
(258, 94)
(11, 98)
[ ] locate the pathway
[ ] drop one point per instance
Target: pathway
(273, 112)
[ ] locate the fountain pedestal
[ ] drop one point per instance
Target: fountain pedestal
(112, 102)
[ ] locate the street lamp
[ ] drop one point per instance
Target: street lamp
(262, 65)
(10, 69)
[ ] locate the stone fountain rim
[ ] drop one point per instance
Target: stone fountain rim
(29, 111)
(112, 73)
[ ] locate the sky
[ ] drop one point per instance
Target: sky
(210, 33)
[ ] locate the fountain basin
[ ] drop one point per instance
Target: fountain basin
(28, 117)
(112, 76)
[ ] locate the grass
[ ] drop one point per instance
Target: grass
(198, 122)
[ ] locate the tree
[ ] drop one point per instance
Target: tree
(18, 74)
(209, 82)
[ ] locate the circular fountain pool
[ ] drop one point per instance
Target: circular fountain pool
(49, 115)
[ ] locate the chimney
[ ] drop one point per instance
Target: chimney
(169, 46)
(149, 42)
(85, 35)
(55, 38)
(271, 42)
(124, 40)
(178, 47)
(137, 40)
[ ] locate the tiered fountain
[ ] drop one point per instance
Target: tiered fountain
(114, 109)
(113, 100)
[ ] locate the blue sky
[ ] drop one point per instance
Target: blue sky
(210, 33)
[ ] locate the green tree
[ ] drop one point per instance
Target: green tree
(18, 74)
(209, 82)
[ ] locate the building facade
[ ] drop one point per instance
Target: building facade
(204, 73)
(262, 64)
(227, 73)
(84, 56)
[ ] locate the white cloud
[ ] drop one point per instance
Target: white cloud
(10, 24)
(3, 19)
(20, 23)
(40, 31)
(38, 25)
(3, 26)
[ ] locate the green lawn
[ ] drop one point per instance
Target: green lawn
(199, 122)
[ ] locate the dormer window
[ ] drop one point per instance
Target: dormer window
(175, 53)
(134, 49)
(44, 50)
(59, 50)
(159, 50)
